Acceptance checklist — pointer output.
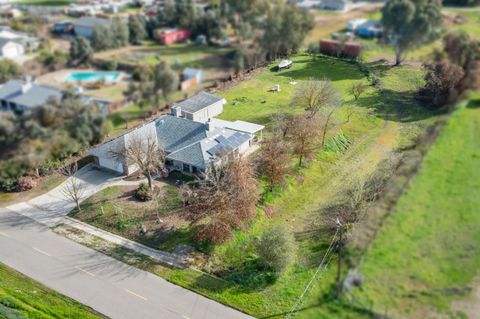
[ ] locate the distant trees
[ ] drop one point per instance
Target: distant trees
(8, 70)
(80, 52)
(410, 23)
(456, 69)
(136, 28)
(224, 200)
(275, 248)
(165, 80)
(113, 36)
(37, 141)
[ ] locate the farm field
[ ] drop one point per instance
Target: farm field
(21, 298)
(426, 257)
(46, 3)
(381, 121)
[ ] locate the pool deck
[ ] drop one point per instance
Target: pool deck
(57, 79)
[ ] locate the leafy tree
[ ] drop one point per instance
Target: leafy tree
(136, 29)
(165, 80)
(239, 60)
(9, 69)
(275, 248)
(224, 200)
(441, 81)
(273, 161)
(120, 31)
(314, 95)
(80, 52)
(410, 23)
(461, 49)
(103, 38)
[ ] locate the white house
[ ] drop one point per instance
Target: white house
(10, 48)
(200, 108)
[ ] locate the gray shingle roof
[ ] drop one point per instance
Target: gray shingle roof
(34, 95)
(175, 133)
(198, 102)
(192, 155)
(89, 22)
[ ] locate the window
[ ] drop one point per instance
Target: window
(186, 168)
(194, 169)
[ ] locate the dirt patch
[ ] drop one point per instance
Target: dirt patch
(470, 305)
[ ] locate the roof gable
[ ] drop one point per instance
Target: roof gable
(198, 102)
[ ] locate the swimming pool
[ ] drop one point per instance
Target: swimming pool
(92, 76)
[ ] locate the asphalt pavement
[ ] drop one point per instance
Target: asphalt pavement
(107, 285)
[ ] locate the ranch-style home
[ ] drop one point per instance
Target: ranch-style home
(19, 96)
(190, 146)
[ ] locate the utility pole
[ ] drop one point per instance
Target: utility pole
(339, 258)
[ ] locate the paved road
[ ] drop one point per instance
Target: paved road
(112, 288)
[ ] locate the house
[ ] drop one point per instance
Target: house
(85, 26)
(370, 29)
(170, 36)
(337, 5)
(22, 95)
(63, 27)
(190, 146)
(29, 42)
(10, 48)
(200, 108)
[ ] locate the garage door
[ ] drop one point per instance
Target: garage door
(111, 165)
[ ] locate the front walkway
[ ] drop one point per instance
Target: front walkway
(52, 208)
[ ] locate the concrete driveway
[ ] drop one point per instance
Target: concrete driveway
(112, 288)
(51, 207)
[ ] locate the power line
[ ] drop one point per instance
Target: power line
(323, 264)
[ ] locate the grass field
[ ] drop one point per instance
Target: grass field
(46, 3)
(427, 254)
(382, 120)
(21, 298)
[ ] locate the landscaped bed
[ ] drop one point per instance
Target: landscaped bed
(385, 118)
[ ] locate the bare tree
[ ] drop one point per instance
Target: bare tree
(223, 200)
(73, 189)
(327, 120)
(281, 123)
(273, 161)
(145, 153)
(314, 95)
(305, 133)
(357, 89)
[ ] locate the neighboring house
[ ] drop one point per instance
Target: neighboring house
(29, 42)
(190, 147)
(370, 29)
(170, 36)
(63, 27)
(200, 108)
(85, 26)
(337, 5)
(10, 49)
(21, 95)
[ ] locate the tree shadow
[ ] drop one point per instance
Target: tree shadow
(335, 69)
(473, 104)
(396, 106)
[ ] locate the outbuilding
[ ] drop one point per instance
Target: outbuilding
(10, 48)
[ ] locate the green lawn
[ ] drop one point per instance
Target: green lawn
(47, 3)
(428, 252)
(21, 298)
(382, 120)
